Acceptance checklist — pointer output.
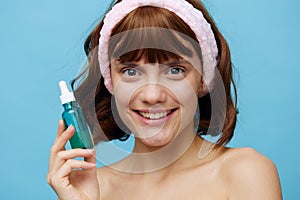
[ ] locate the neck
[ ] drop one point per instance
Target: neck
(145, 159)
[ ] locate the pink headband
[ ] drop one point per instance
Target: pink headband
(193, 17)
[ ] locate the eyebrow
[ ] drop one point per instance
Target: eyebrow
(176, 62)
(172, 62)
(132, 64)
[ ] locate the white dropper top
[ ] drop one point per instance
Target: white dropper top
(66, 96)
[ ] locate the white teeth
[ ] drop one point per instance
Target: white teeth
(154, 115)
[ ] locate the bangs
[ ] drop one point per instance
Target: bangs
(150, 55)
(153, 34)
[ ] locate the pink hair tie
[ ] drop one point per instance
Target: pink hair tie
(193, 17)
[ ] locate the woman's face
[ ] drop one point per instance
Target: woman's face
(156, 101)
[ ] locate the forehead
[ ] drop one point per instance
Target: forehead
(152, 44)
(144, 62)
(153, 34)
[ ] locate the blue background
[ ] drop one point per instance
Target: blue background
(41, 42)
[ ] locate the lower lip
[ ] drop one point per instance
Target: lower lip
(155, 122)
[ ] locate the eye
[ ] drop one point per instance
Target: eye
(130, 72)
(130, 69)
(175, 71)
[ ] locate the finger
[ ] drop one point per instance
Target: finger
(60, 142)
(92, 157)
(61, 128)
(63, 156)
(73, 153)
(69, 165)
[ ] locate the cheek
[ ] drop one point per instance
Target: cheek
(187, 97)
(124, 93)
(184, 91)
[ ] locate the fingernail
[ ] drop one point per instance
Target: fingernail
(92, 164)
(91, 151)
(69, 127)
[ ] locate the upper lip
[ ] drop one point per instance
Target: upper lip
(154, 110)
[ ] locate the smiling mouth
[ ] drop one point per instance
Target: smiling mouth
(154, 115)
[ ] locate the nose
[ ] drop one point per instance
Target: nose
(153, 94)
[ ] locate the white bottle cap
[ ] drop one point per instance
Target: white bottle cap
(66, 96)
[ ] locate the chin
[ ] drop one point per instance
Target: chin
(158, 140)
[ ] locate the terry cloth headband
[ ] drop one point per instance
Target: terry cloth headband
(193, 17)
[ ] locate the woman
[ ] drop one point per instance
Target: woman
(165, 66)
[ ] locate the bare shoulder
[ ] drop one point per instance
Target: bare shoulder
(250, 175)
(105, 177)
(247, 161)
(247, 156)
(104, 172)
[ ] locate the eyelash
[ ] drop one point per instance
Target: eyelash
(182, 70)
(126, 70)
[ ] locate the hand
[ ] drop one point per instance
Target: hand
(64, 176)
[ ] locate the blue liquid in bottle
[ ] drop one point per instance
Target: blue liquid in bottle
(73, 115)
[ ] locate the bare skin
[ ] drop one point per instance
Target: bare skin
(70, 184)
(228, 173)
(225, 174)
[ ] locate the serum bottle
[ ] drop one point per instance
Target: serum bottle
(73, 115)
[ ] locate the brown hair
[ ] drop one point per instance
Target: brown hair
(95, 99)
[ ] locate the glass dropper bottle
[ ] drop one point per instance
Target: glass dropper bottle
(73, 115)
